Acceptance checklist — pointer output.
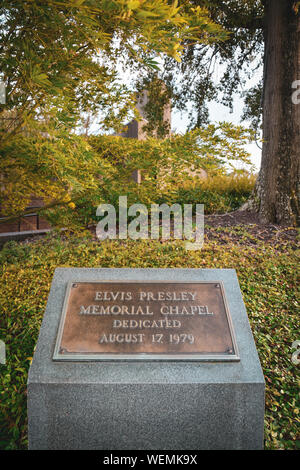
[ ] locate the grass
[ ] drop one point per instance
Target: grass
(267, 276)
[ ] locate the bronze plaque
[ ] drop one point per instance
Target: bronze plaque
(145, 320)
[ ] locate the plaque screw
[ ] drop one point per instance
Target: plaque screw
(217, 285)
(74, 285)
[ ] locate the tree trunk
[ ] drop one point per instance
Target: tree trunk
(278, 186)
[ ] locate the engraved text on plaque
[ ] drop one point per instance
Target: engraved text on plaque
(145, 320)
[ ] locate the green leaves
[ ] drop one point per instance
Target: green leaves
(151, 63)
(268, 283)
(39, 78)
(71, 172)
(48, 50)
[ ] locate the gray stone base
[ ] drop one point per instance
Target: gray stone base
(145, 405)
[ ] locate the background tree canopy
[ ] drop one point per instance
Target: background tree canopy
(267, 33)
(194, 79)
(59, 58)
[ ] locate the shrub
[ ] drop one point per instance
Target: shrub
(74, 175)
(218, 193)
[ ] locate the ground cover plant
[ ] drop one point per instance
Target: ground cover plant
(265, 258)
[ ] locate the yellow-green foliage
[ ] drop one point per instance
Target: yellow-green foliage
(50, 88)
(240, 183)
(65, 63)
(169, 166)
(219, 193)
(66, 55)
(268, 282)
(73, 175)
(57, 170)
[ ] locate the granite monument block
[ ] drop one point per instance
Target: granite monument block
(158, 359)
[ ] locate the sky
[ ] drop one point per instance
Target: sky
(218, 112)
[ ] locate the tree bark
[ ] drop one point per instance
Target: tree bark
(277, 192)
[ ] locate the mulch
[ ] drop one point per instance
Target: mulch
(238, 227)
(245, 227)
